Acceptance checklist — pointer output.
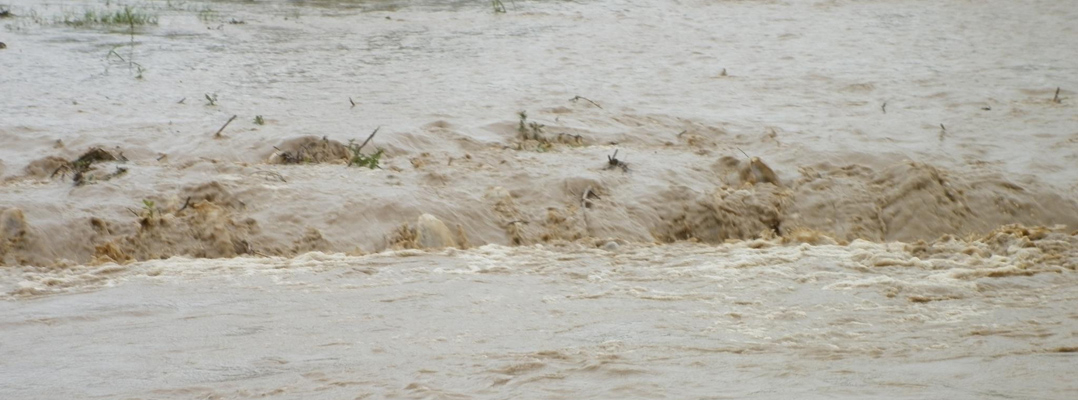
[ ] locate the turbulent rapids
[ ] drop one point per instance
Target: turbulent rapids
(601, 199)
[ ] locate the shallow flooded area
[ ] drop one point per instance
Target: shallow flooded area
(538, 199)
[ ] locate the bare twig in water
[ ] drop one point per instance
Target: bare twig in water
(368, 138)
(585, 199)
(186, 203)
(1056, 98)
(884, 107)
(120, 171)
(613, 162)
(943, 132)
(181, 100)
(743, 152)
(682, 132)
(218, 134)
(572, 140)
(352, 101)
(574, 99)
(114, 53)
(62, 170)
(288, 157)
(270, 174)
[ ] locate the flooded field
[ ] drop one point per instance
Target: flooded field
(601, 199)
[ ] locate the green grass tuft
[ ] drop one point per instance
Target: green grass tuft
(128, 16)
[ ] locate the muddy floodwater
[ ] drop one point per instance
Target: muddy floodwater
(538, 199)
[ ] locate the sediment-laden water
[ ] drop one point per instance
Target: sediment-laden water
(821, 199)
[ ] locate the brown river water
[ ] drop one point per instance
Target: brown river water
(813, 199)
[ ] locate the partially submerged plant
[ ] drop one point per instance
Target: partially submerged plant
(613, 162)
(120, 171)
(363, 160)
(523, 128)
(81, 167)
(259, 120)
(529, 130)
(207, 14)
(532, 136)
(211, 100)
(577, 98)
(128, 16)
(148, 205)
(570, 139)
(537, 130)
(499, 7)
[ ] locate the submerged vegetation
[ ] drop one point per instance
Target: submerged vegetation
(82, 169)
(531, 136)
(109, 13)
(363, 160)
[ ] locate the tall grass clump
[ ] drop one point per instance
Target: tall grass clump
(128, 16)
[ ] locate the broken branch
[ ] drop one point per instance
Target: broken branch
(185, 204)
(270, 174)
(613, 162)
(218, 134)
(368, 138)
(574, 99)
